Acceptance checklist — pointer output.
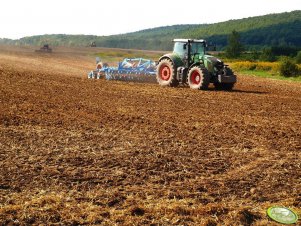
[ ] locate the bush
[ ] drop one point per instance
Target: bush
(267, 55)
(260, 66)
(251, 56)
(288, 68)
(298, 58)
(244, 65)
(267, 66)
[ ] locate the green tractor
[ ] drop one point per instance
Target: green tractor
(189, 64)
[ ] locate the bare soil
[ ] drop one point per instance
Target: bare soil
(76, 151)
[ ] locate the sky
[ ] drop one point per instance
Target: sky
(20, 18)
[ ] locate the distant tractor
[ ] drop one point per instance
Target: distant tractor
(44, 49)
(189, 64)
(93, 44)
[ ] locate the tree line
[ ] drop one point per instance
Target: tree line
(283, 29)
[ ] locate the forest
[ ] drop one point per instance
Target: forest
(282, 29)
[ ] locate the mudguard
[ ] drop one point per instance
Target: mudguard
(175, 58)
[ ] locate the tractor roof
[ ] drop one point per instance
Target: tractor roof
(189, 40)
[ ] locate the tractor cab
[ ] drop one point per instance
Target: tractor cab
(189, 50)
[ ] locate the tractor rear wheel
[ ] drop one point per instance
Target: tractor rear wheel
(198, 77)
(166, 73)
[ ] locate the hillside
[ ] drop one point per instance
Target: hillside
(268, 30)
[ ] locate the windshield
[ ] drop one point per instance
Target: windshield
(197, 47)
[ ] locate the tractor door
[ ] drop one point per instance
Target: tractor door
(197, 51)
(182, 49)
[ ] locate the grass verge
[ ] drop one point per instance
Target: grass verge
(263, 69)
(266, 74)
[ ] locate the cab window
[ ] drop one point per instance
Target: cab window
(197, 47)
(180, 48)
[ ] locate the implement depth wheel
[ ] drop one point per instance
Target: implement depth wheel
(198, 78)
(166, 73)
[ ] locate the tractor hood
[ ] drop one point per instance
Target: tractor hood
(214, 61)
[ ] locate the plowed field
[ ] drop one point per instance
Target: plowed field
(75, 151)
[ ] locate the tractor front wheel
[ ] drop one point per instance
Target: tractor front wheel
(198, 78)
(166, 73)
(225, 86)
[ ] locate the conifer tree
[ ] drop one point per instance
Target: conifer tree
(234, 47)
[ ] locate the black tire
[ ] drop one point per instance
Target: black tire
(225, 86)
(228, 71)
(198, 77)
(228, 86)
(166, 73)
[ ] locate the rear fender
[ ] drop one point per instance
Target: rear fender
(175, 59)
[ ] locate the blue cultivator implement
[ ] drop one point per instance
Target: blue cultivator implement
(130, 69)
